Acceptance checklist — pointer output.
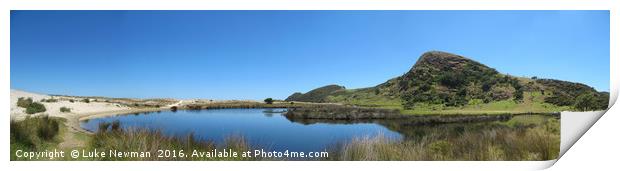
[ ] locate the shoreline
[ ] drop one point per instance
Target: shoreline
(74, 121)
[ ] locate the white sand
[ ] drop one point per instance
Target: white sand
(79, 110)
(53, 108)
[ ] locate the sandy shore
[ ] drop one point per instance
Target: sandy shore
(80, 110)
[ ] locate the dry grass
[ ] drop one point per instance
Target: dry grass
(143, 140)
(541, 142)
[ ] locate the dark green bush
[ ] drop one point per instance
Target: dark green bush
(35, 107)
(591, 101)
(65, 109)
(269, 100)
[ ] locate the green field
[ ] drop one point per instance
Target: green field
(533, 102)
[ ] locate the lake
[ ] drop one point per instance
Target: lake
(272, 131)
(260, 127)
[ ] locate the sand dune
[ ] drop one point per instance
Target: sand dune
(53, 108)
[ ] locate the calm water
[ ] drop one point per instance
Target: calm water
(268, 130)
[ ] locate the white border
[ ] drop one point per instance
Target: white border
(604, 130)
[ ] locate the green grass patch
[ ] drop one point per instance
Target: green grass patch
(35, 134)
(532, 102)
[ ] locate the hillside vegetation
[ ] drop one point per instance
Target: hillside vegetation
(317, 95)
(441, 82)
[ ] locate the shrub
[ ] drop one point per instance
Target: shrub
(71, 100)
(35, 107)
(65, 109)
(269, 100)
(174, 108)
(585, 102)
(86, 100)
(24, 102)
(31, 107)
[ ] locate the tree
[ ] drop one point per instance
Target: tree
(269, 100)
(585, 102)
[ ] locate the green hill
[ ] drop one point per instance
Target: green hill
(441, 82)
(318, 95)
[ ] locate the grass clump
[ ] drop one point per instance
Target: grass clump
(34, 133)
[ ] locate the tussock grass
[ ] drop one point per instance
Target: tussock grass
(541, 142)
(111, 137)
(34, 133)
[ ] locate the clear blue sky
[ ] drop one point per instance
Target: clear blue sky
(259, 54)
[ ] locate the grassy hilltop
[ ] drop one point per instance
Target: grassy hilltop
(441, 82)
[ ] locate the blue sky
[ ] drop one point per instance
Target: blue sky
(259, 54)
